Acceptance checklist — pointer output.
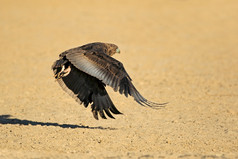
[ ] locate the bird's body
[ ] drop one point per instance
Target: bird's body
(84, 72)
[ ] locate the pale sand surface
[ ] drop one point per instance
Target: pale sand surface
(184, 52)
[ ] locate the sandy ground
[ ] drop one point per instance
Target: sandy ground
(184, 52)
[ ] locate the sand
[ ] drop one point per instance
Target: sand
(179, 51)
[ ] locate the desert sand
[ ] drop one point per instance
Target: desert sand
(184, 52)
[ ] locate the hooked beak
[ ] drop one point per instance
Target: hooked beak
(118, 50)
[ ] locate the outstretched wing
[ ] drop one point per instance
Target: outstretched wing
(109, 71)
(87, 89)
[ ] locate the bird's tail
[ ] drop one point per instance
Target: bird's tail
(101, 104)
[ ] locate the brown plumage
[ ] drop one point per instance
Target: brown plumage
(84, 72)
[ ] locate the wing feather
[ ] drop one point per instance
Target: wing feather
(108, 70)
(87, 89)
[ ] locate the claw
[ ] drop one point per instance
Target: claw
(62, 73)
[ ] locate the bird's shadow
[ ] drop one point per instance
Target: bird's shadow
(6, 119)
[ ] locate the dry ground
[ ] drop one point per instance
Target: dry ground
(184, 52)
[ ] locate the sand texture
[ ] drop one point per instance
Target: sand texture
(184, 52)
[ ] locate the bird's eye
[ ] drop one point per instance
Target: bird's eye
(117, 50)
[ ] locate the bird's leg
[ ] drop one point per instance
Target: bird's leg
(64, 72)
(58, 74)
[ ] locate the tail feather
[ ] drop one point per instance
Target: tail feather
(101, 104)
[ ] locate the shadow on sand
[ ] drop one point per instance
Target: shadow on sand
(6, 119)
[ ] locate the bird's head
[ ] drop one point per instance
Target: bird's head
(107, 48)
(111, 49)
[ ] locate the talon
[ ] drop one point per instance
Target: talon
(62, 73)
(63, 67)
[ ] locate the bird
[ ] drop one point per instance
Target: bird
(84, 72)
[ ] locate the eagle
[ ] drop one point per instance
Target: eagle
(84, 72)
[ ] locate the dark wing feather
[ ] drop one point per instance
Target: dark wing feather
(87, 89)
(109, 71)
(74, 84)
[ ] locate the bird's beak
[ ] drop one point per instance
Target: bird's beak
(118, 50)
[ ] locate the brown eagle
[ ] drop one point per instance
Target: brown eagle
(83, 72)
